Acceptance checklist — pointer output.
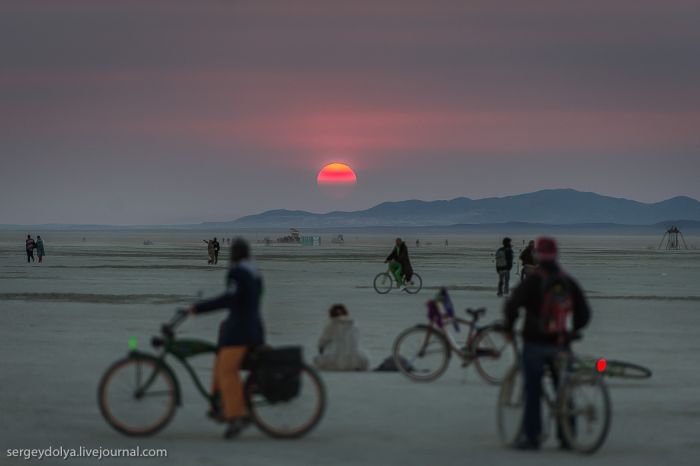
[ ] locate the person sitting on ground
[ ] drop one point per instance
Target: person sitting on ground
(400, 264)
(339, 345)
(239, 333)
(527, 258)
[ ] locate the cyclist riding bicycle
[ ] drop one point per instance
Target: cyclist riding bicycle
(400, 264)
(241, 331)
(555, 308)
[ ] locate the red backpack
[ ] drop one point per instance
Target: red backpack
(557, 304)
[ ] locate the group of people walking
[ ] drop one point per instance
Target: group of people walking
(35, 245)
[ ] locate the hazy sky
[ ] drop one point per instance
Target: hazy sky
(172, 111)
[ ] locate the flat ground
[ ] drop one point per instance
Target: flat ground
(63, 322)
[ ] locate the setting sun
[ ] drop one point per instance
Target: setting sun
(338, 174)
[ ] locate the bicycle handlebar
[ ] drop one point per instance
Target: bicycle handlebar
(169, 328)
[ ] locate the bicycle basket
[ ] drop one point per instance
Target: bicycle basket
(278, 374)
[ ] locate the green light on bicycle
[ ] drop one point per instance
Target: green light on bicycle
(132, 343)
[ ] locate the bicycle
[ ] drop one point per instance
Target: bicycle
(614, 368)
(138, 394)
(579, 404)
(384, 281)
(422, 352)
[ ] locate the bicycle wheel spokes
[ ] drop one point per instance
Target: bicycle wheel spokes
(495, 355)
(584, 413)
(421, 353)
(292, 418)
(415, 284)
(511, 407)
(137, 397)
(383, 283)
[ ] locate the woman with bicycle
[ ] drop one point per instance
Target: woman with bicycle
(551, 299)
(240, 331)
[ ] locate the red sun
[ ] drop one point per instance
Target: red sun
(336, 174)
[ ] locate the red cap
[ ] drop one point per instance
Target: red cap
(546, 248)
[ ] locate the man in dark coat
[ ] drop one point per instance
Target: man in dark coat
(504, 263)
(30, 245)
(399, 263)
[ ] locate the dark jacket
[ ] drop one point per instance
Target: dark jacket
(243, 326)
(509, 258)
(400, 255)
(527, 257)
(31, 244)
(529, 294)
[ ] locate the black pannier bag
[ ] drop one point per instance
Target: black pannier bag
(278, 374)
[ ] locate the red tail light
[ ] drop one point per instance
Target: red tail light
(601, 365)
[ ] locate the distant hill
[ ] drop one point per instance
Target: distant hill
(551, 206)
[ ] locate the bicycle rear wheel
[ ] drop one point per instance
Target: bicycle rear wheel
(415, 285)
(137, 396)
(584, 412)
(383, 283)
(511, 406)
(421, 353)
(291, 418)
(494, 353)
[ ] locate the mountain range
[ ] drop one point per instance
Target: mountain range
(551, 206)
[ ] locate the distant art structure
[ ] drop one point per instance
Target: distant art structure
(674, 238)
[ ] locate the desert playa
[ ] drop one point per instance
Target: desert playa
(64, 321)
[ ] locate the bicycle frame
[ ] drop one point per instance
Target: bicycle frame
(441, 321)
(181, 350)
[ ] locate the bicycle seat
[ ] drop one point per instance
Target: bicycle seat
(476, 313)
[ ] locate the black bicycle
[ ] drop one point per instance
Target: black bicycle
(138, 394)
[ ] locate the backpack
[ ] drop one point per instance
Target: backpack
(501, 259)
(557, 305)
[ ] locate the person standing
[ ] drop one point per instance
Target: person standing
(504, 264)
(555, 309)
(40, 248)
(527, 258)
(242, 331)
(217, 247)
(210, 250)
(30, 245)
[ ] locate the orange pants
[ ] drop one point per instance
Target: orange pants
(227, 380)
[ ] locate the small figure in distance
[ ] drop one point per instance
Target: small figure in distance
(30, 245)
(417, 243)
(40, 248)
(555, 309)
(217, 247)
(241, 331)
(210, 250)
(400, 264)
(504, 263)
(339, 345)
(527, 258)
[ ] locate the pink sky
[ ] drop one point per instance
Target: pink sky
(167, 112)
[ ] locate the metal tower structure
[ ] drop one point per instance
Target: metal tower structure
(674, 238)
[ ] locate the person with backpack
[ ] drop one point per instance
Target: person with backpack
(504, 263)
(555, 309)
(30, 244)
(241, 331)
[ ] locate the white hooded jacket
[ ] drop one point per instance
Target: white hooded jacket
(340, 347)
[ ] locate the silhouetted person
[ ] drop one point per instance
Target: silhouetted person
(555, 309)
(527, 258)
(40, 248)
(217, 247)
(400, 264)
(210, 250)
(30, 245)
(504, 263)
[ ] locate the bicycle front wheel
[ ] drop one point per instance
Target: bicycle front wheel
(291, 418)
(626, 370)
(584, 412)
(415, 284)
(511, 406)
(421, 353)
(383, 283)
(494, 355)
(137, 396)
